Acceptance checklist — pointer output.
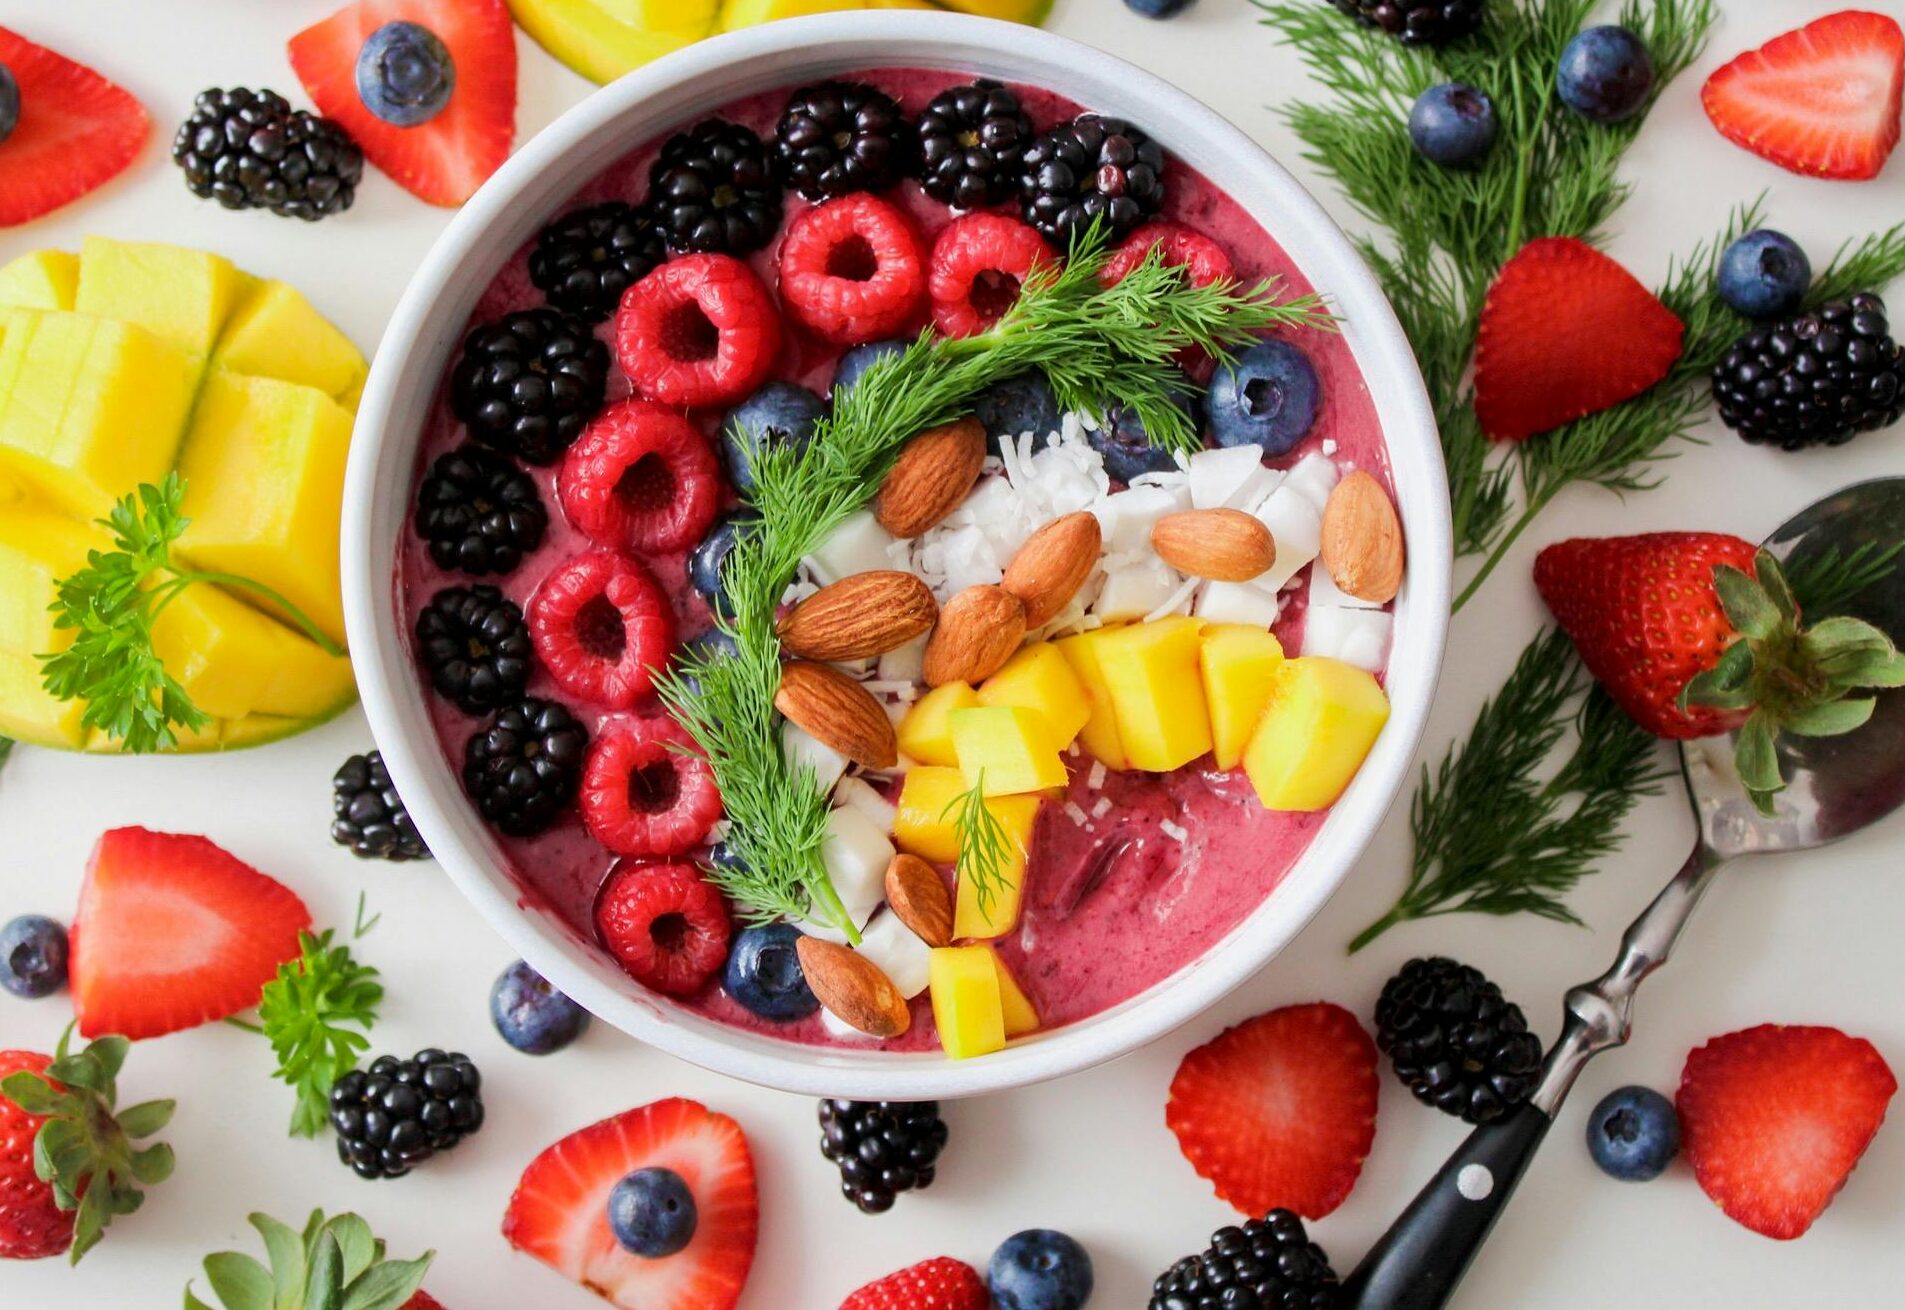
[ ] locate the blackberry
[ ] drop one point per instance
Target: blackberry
(251, 150)
(711, 190)
(369, 816)
(479, 512)
(522, 767)
(1418, 22)
(392, 1117)
(883, 1148)
(1093, 167)
(529, 383)
(835, 138)
(1815, 379)
(970, 141)
(476, 646)
(584, 261)
(1267, 1264)
(1455, 1041)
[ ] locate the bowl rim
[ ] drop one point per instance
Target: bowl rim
(431, 317)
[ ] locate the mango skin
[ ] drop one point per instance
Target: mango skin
(925, 734)
(1040, 679)
(599, 44)
(1239, 665)
(1322, 719)
(966, 1005)
(1008, 748)
(1158, 692)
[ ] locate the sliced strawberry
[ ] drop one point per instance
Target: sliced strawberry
(941, 1283)
(559, 1213)
(1774, 1119)
(173, 932)
(1279, 1111)
(446, 158)
(77, 131)
(1566, 332)
(1822, 100)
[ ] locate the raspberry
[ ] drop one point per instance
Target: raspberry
(699, 330)
(665, 924)
(641, 478)
(1203, 260)
(852, 270)
(642, 794)
(979, 263)
(602, 626)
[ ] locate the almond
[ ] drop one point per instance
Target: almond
(934, 472)
(917, 894)
(977, 632)
(838, 712)
(858, 617)
(1053, 564)
(1225, 545)
(1362, 540)
(853, 988)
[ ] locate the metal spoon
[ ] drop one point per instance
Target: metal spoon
(1838, 785)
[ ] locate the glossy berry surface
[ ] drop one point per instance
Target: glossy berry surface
(1455, 1041)
(853, 270)
(652, 1213)
(836, 138)
(1158, 8)
(979, 264)
(585, 260)
(1764, 274)
(478, 512)
(475, 645)
(529, 383)
(33, 953)
(708, 562)
(9, 102)
(395, 1115)
(1265, 1264)
(1040, 1269)
(1418, 22)
(522, 766)
(1818, 378)
(1018, 405)
(250, 150)
(763, 973)
(1605, 74)
(367, 814)
(644, 790)
(699, 330)
(405, 74)
(711, 189)
(602, 625)
(1094, 167)
(861, 358)
(883, 1148)
(779, 415)
(531, 1015)
(1633, 1134)
(1125, 445)
(1267, 397)
(664, 923)
(1453, 124)
(641, 479)
(970, 140)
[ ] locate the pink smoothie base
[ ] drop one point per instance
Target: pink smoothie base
(1093, 932)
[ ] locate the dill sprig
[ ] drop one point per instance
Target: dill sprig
(1827, 583)
(316, 1014)
(984, 846)
(1098, 346)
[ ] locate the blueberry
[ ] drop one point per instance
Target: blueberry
(9, 102)
(706, 562)
(779, 414)
(1127, 448)
(405, 74)
(723, 857)
(652, 1213)
(1764, 274)
(1267, 397)
(1040, 1269)
(1159, 8)
(1633, 1134)
(861, 358)
(764, 973)
(708, 645)
(1453, 124)
(1605, 74)
(531, 1015)
(1018, 405)
(32, 957)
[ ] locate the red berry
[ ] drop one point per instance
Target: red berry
(699, 330)
(643, 794)
(602, 625)
(76, 132)
(1204, 261)
(941, 1283)
(852, 270)
(665, 924)
(979, 263)
(32, 1226)
(640, 478)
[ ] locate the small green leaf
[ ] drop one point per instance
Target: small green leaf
(387, 1286)
(153, 1165)
(1748, 608)
(1842, 632)
(356, 1246)
(1833, 719)
(146, 1118)
(1756, 758)
(81, 1071)
(111, 1053)
(1727, 685)
(286, 1250)
(31, 1093)
(192, 1302)
(89, 1222)
(1772, 579)
(239, 1281)
(323, 1285)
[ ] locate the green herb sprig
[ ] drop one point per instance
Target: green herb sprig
(984, 846)
(317, 1013)
(336, 1263)
(1827, 583)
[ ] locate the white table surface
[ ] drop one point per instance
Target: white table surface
(1810, 939)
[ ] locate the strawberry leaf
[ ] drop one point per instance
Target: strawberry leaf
(239, 1281)
(1834, 719)
(1748, 607)
(1772, 580)
(335, 1263)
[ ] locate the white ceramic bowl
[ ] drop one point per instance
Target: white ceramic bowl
(431, 318)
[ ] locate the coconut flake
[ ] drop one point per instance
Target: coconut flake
(1102, 808)
(1176, 832)
(1096, 778)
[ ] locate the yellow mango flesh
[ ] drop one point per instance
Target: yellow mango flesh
(1006, 748)
(1032, 12)
(1239, 664)
(921, 824)
(692, 17)
(1100, 733)
(926, 732)
(40, 279)
(1151, 670)
(1322, 718)
(29, 713)
(1019, 1015)
(1000, 915)
(37, 549)
(233, 660)
(593, 41)
(275, 333)
(966, 1005)
(1040, 679)
(736, 14)
(182, 296)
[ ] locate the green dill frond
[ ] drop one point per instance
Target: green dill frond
(984, 846)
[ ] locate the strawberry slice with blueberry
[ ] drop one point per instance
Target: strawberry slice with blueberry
(941, 1283)
(426, 87)
(654, 1209)
(64, 130)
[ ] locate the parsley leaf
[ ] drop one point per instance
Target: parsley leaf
(316, 1014)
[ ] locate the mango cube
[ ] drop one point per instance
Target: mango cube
(264, 486)
(966, 1004)
(1007, 748)
(37, 549)
(924, 822)
(1017, 815)
(29, 713)
(1100, 733)
(275, 333)
(1019, 1014)
(1238, 664)
(1151, 670)
(40, 279)
(182, 296)
(926, 731)
(1322, 718)
(1040, 679)
(233, 660)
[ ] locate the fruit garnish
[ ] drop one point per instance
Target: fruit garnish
(531, 1015)
(74, 131)
(602, 625)
(941, 1283)
(1040, 1269)
(1280, 1110)
(969, 141)
(1817, 378)
(522, 767)
(852, 270)
(397, 1114)
(369, 816)
(644, 791)
(712, 190)
(641, 479)
(882, 1148)
(173, 932)
(1272, 1257)
(1456, 1042)
(1204, 261)
(664, 923)
(985, 866)
(84, 1148)
(1822, 100)
(317, 1013)
(1093, 170)
(560, 1211)
(33, 955)
(334, 1261)
(250, 150)
(980, 263)
(699, 330)
(489, 388)
(1774, 1119)
(837, 138)
(586, 259)
(1633, 1134)
(475, 644)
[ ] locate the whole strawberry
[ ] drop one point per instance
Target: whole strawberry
(941, 1283)
(32, 1226)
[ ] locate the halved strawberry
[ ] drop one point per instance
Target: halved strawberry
(76, 132)
(1566, 332)
(446, 158)
(1280, 1110)
(173, 932)
(559, 1213)
(941, 1283)
(1823, 100)
(1773, 1120)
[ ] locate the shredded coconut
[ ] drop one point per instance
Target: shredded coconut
(1176, 832)
(1096, 778)
(1074, 813)
(1102, 808)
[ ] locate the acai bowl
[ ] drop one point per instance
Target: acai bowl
(1141, 880)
